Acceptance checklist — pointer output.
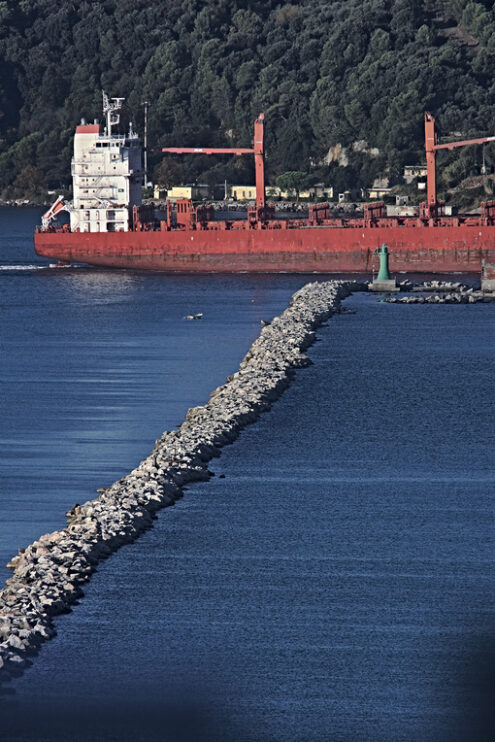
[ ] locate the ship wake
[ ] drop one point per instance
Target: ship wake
(32, 267)
(23, 267)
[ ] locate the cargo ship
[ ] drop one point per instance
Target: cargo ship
(109, 226)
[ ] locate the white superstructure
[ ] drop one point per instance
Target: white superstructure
(107, 174)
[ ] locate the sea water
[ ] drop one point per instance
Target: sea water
(96, 364)
(333, 581)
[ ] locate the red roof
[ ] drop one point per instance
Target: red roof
(88, 129)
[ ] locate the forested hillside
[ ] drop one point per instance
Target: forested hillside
(334, 79)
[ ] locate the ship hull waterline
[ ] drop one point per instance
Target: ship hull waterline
(458, 249)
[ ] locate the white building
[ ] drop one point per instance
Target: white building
(107, 175)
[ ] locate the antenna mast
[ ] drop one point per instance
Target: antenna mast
(145, 103)
(110, 108)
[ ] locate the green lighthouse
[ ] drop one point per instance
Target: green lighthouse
(383, 273)
(383, 281)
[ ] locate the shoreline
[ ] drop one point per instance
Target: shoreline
(23, 204)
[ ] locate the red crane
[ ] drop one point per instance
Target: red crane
(432, 148)
(259, 157)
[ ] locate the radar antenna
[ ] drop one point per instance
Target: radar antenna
(110, 108)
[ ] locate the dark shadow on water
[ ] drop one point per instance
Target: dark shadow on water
(473, 679)
(193, 711)
(177, 714)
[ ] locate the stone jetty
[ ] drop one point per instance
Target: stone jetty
(440, 286)
(460, 296)
(441, 292)
(48, 575)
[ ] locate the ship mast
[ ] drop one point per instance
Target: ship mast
(110, 108)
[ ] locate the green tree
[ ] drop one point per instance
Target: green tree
(293, 181)
(169, 172)
(325, 74)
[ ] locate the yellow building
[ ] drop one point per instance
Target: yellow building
(193, 192)
(248, 192)
(243, 192)
(321, 191)
(379, 192)
(316, 191)
(159, 192)
(414, 171)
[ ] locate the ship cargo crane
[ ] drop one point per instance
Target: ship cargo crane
(432, 147)
(258, 151)
(191, 239)
(55, 209)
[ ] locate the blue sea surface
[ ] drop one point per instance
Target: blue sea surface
(333, 581)
(96, 364)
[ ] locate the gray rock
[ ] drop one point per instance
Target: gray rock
(47, 575)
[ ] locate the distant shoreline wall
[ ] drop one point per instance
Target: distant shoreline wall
(48, 574)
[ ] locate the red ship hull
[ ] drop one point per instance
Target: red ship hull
(415, 249)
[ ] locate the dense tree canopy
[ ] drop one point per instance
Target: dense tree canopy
(328, 74)
(293, 182)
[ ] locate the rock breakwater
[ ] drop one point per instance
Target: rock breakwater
(464, 296)
(48, 575)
